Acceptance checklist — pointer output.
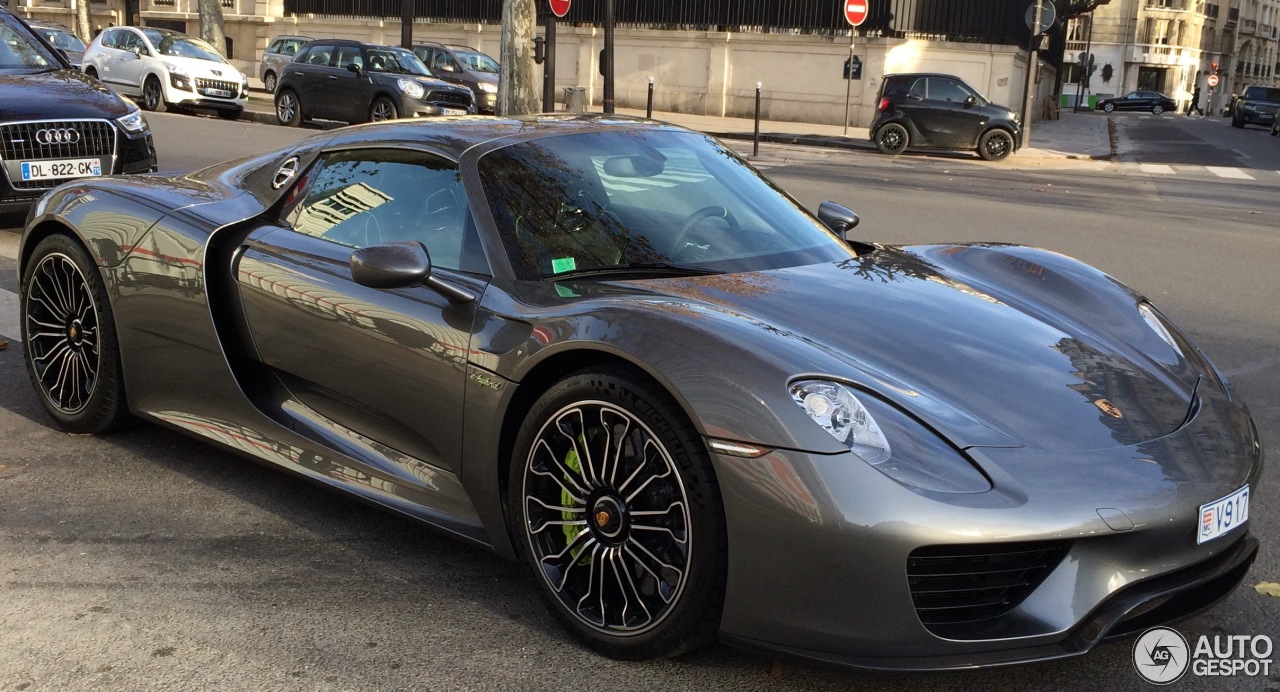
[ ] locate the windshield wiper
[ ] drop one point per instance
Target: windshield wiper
(646, 269)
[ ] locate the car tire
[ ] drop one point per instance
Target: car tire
(288, 108)
(673, 561)
(153, 95)
(91, 72)
(1157, 109)
(892, 139)
(269, 82)
(383, 109)
(995, 145)
(69, 338)
(1109, 107)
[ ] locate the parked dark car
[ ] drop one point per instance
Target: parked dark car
(1153, 101)
(1256, 106)
(591, 344)
(356, 82)
(60, 37)
(277, 55)
(464, 66)
(57, 124)
(939, 111)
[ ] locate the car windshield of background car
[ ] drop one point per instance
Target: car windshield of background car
(1257, 93)
(63, 40)
(397, 62)
(20, 52)
(476, 62)
(609, 199)
(180, 46)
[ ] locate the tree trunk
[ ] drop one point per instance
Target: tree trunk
(84, 25)
(213, 29)
(516, 88)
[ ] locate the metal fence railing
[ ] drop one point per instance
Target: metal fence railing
(984, 21)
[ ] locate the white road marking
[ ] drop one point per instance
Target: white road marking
(1233, 173)
(1157, 168)
(9, 326)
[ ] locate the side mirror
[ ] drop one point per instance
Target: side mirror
(137, 51)
(971, 101)
(838, 218)
(391, 265)
(353, 69)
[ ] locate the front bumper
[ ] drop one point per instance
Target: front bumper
(134, 153)
(819, 548)
(1257, 117)
(426, 108)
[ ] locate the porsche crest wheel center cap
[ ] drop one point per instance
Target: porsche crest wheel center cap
(75, 333)
(607, 514)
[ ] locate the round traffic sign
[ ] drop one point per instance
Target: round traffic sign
(1048, 15)
(856, 11)
(560, 7)
(1213, 80)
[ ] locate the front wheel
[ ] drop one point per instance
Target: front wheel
(892, 139)
(153, 95)
(615, 508)
(69, 334)
(382, 109)
(1109, 107)
(1157, 109)
(995, 145)
(288, 108)
(269, 82)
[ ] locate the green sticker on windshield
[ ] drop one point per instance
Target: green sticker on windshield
(563, 264)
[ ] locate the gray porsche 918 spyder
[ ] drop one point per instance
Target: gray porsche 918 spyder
(609, 349)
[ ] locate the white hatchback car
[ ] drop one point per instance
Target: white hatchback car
(166, 68)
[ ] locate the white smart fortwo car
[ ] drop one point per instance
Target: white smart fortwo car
(166, 68)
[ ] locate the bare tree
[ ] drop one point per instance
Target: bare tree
(213, 29)
(84, 25)
(516, 88)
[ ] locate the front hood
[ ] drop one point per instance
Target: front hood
(439, 84)
(204, 68)
(57, 95)
(1035, 355)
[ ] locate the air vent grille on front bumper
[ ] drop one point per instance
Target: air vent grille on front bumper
(961, 587)
(449, 99)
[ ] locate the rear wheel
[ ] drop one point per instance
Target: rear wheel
(382, 109)
(1109, 107)
(269, 82)
(69, 334)
(153, 95)
(1157, 109)
(995, 145)
(615, 509)
(892, 139)
(93, 73)
(288, 108)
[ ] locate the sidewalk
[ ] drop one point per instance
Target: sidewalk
(1083, 135)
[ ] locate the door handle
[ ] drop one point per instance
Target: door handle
(333, 77)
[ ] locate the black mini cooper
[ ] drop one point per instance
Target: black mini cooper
(938, 111)
(57, 124)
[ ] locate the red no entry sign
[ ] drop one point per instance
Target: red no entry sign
(855, 11)
(1213, 80)
(560, 7)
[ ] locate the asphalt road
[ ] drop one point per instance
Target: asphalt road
(149, 561)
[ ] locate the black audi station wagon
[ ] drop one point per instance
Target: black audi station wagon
(939, 111)
(56, 124)
(333, 79)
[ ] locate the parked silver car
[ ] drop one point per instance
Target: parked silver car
(276, 56)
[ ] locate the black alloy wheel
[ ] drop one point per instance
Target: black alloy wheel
(616, 510)
(153, 95)
(995, 145)
(892, 139)
(1157, 109)
(68, 331)
(382, 109)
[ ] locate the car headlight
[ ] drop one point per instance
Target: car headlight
(918, 458)
(177, 71)
(410, 88)
(133, 122)
(488, 87)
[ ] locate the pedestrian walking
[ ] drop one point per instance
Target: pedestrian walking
(1194, 106)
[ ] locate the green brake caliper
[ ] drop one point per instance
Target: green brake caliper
(566, 499)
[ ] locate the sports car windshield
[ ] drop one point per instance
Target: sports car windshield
(20, 51)
(643, 198)
(182, 46)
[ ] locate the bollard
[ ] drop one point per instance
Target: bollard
(755, 150)
(649, 110)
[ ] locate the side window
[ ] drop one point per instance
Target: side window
(350, 55)
(942, 89)
(918, 89)
(319, 55)
(128, 41)
(274, 48)
(372, 196)
(290, 47)
(111, 39)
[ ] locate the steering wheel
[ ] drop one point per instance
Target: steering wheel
(690, 225)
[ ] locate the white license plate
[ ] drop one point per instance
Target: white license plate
(219, 92)
(452, 111)
(1220, 516)
(67, 168)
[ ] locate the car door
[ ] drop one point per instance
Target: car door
(115, 55)
(958, 120)
(386, 365)
(350, 93)
(310, 78)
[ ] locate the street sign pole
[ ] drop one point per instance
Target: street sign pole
(855, 11)
(1033, 60)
